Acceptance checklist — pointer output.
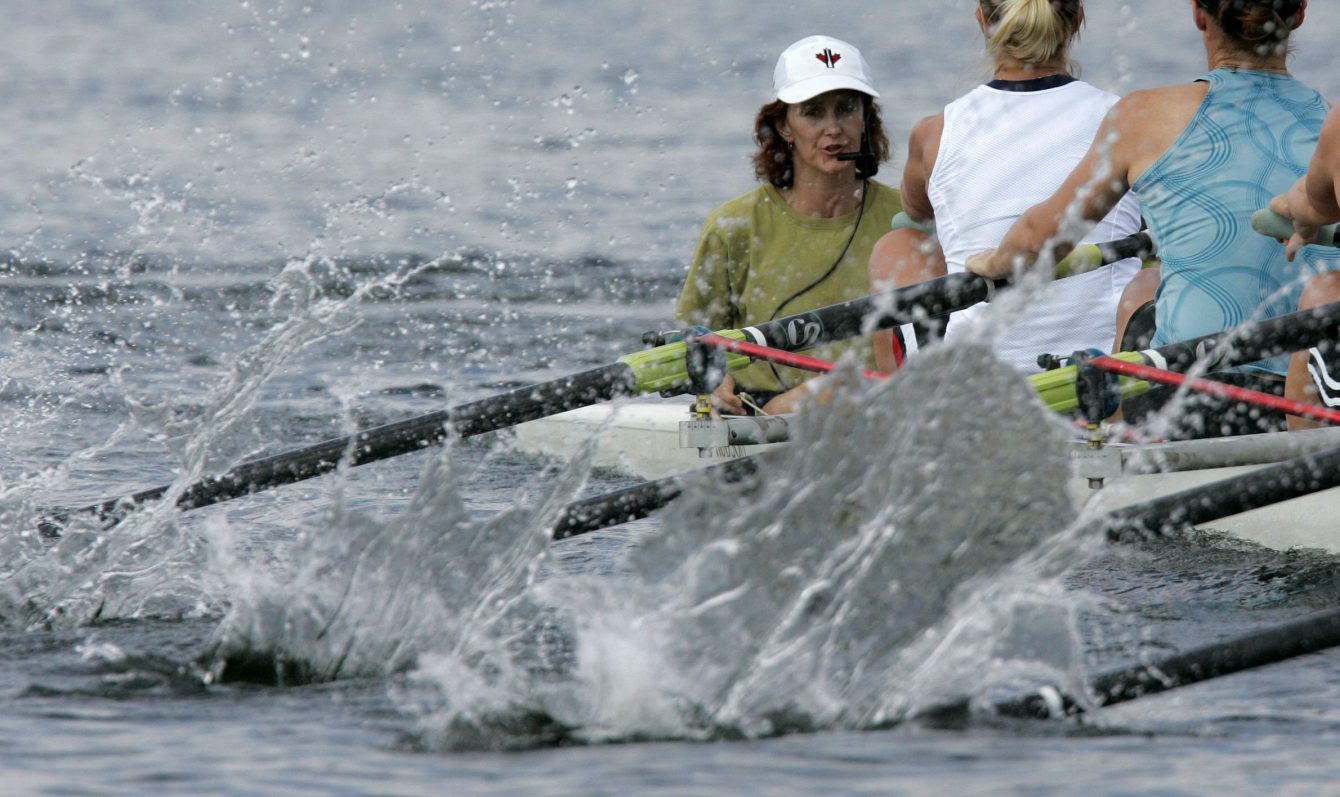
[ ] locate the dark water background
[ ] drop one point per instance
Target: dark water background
(235, 228)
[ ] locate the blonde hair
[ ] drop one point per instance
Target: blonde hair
(1032, 31)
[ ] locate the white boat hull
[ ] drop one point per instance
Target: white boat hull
(637, 438)
(643, 439)
(1312, 521)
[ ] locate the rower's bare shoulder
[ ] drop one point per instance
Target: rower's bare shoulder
(1144, 105)
(923, 148)
(926, 132)
(1144, 123)
(933, 124)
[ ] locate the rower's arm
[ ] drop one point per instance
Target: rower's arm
(922, 148)
(1323, 174)
(1312, 202)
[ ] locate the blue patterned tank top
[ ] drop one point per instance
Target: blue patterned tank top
(1250, 140)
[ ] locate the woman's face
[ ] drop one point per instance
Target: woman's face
(821, 127)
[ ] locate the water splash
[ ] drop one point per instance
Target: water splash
(367, 595)
(156, 563)
(795, 609)
(812, 599)
(818, 597)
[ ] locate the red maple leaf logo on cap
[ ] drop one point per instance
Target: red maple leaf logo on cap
(829, 58)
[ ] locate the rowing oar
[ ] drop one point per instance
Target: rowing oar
(1059, 389)
(640, 500)
(1260, 340)
(1310, 634)
(1273, 225)
(1293, 478)
(661, 369)
(1088, 257)
(1270, 484)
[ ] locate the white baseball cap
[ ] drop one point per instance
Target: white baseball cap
(816, 64)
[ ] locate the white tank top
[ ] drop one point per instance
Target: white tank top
(1003, 151)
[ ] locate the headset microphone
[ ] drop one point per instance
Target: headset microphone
(867, 163)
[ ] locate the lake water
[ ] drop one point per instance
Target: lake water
(238, 228)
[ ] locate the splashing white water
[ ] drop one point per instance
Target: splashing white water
(813, 598)
(368, 595)
(153, 563)
(795, 607)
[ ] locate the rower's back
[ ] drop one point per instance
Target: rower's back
(1250, 139)
(1006, 146)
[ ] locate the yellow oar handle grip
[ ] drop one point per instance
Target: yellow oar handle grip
(666, 367)
(1087, 257)
(1057, 389)
(1273, 225)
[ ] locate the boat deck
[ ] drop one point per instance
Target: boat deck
(647, 439)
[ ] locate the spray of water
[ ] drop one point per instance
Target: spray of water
(155, 563)
(795, 608)
(810, 599)
(895, 531)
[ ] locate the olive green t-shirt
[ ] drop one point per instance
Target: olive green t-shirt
(756, 253)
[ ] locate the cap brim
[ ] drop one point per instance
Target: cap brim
(813, 87)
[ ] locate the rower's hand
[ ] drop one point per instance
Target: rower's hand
(816, 390)
(990, 264)
(725, 400)
(1295, 206)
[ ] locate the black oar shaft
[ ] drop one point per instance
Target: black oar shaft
(1255, 341)
(1292, 478)
(1311, 634)
(1139, 245)
(640, 500)
(939, 296)
(392, 439)
(881, 311)
(1298, 638)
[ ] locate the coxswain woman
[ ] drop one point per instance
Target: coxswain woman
(802, 239)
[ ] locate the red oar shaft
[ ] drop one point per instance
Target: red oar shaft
(778, 356)
(1245, 395)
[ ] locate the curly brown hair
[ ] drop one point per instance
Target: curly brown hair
(772, 159)
(1256, 26)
